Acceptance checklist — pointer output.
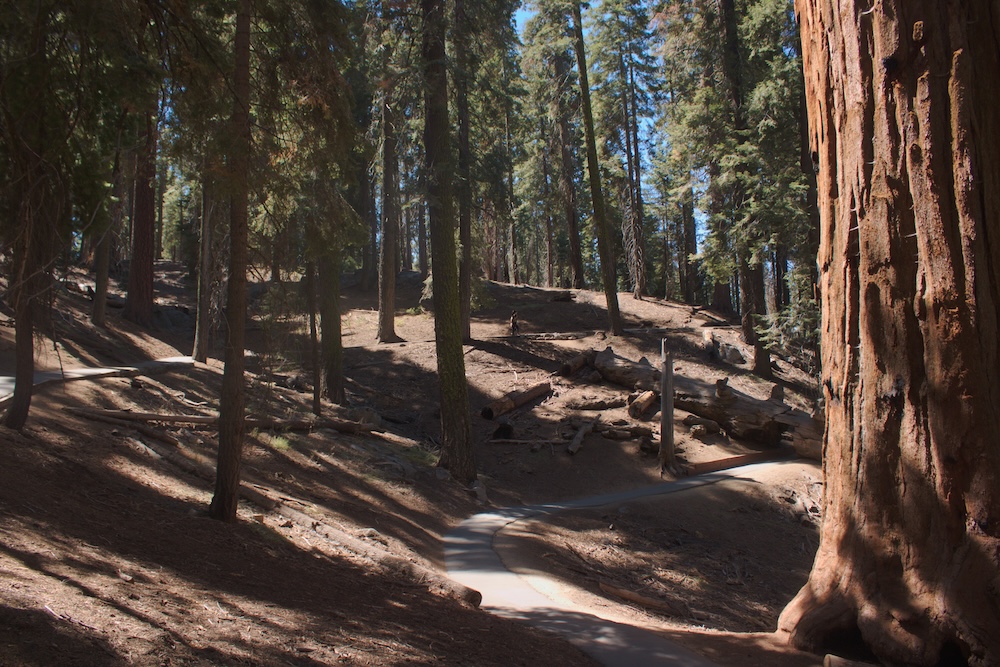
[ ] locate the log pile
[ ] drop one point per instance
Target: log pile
(740, 415)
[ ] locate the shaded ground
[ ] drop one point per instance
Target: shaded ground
(107, 558)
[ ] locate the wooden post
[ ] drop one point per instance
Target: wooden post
(668, 461)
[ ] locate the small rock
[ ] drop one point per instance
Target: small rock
(442, 474)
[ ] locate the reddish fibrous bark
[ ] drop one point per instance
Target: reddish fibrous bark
(902, 126)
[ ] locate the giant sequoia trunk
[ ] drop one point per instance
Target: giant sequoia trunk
(902, 113)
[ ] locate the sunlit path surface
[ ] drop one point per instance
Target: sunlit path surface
(472, 560)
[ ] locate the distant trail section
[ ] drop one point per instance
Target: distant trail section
(471, 560)
(69, 374)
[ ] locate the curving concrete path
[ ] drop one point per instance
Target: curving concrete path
(67, 374)
(472, 561)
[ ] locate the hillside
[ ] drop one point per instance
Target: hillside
(107, 557)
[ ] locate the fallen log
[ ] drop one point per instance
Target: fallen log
(338, 425)
(642, 403)
(740, 415)
(710, 425)
(639, 375)
(582, 432)
(596, 403)
(576, 363)
(515, 399)
(633, 430)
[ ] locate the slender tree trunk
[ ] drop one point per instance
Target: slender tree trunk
(690, 247)
(752, 302)
(32, 259)
(139, 297)
(464, 166)
(781, 294)
(751, 274)
(604, 247)
(508, 205)
(639, 217)
(456, 440)
(902, 116)
(317, 371)
(633, 223)
(102, 255)
(330, 316)
(203, 323)
(390, 224)
(370, 253)
(422, 241)
(567, 173)
(161, 182)
(549, 232)
(232, 403)
(407, 245)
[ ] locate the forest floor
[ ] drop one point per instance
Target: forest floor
(107, 556)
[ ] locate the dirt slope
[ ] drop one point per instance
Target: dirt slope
(107, 558)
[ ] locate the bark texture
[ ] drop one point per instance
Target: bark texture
(232, 402)
(604, 247)
(901, 105)
(456, 441)
(202, 324)
(139, 298)
(388, 248)
(332, 330)
(567, 173)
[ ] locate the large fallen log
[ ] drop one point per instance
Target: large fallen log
(515, 399)
(576, 363)
(740, 415)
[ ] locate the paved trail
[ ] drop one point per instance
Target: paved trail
(471, 560)
(67, 374)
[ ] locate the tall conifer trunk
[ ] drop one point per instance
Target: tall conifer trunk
(388, 250)
(456, 443)
(604, 247)
(901, 101)
(462, 78)
(232, 403)
(567, 172)
(139, 298)
(332, 339)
